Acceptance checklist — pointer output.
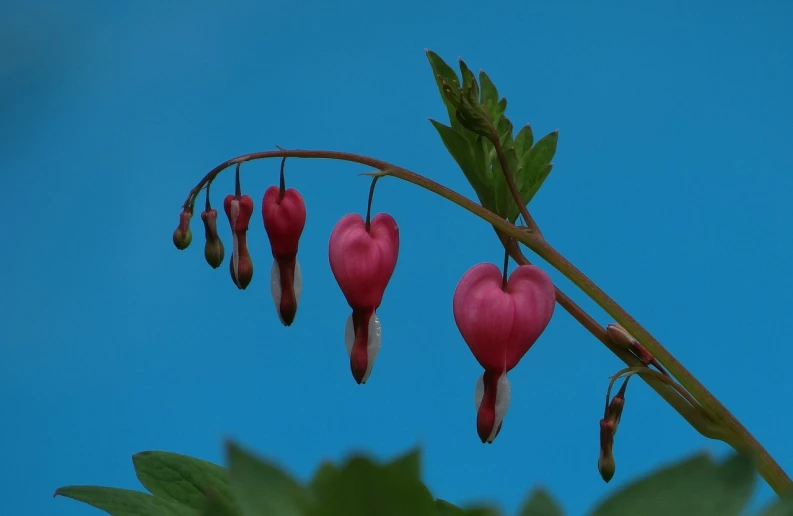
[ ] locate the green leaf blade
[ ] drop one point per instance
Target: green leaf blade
(540, 503)
(694, 486)
(461, 150)
(363, 488)
(262, 489)
(124, 502)
(181, 478)
(443, 72)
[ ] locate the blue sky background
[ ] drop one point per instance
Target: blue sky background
(671, 190)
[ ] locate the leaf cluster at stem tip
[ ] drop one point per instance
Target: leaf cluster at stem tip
(476, 113)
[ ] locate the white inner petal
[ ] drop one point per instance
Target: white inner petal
(298, 282)
(275, 288)
(479, 392)
(235, 253)
(349, 335)
(502, 403)
(373, 343)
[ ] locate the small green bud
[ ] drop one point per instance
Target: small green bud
(182, 236)
(606, 464)
(213, 249)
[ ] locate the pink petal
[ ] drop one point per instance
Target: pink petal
(362, 262)
(500, 327)
(284, 219)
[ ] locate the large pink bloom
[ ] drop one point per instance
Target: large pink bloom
(362, 262)
(499, 326)
(284, 220)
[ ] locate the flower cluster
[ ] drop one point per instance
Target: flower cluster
(499, 316)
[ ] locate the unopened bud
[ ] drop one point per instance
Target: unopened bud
(606, 464)
(213, 249)
(239, 210)
(615, 410)
(182, 236)
(620, 336)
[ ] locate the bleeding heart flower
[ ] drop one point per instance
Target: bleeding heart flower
(500, 322)
(284, 219)
(362, 260)
(239, 209)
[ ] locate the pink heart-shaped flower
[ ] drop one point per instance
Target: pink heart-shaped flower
(362, 262)
(498, 325)
(284, 220)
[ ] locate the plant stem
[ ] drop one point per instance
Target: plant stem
(737, 435)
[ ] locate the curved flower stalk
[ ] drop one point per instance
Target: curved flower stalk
(500, 319)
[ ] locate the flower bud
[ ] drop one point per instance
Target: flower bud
(621, 337)
(182, 236)
(614, 412)
(239, 210)
(606, 464)
(213, 249)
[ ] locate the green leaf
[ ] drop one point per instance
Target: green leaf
(542, 152)
(696, 486)
(470, 87)
(540, 503)
(445, 508)
(460, 149)
(504, 130)
(262, 489)
(536, 164)
(125, 502)
(529, 187)
(443, 72)
(782, 507)
(501, 108)
(482, 510)
(407, 464)
(504, 201)
(216, 505)
(325, 473)
(180, 478)
(363, 488)
(489, 94)
(523, 141)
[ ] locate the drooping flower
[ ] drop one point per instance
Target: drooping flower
(182, 235)
(284, 219)
(239, 209)
(213, 248)
(500, 321)
(362, 260)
